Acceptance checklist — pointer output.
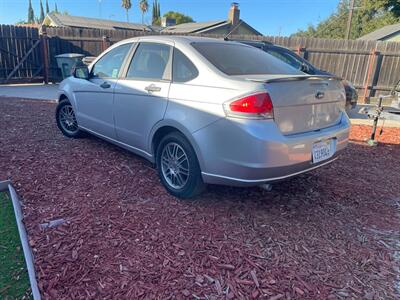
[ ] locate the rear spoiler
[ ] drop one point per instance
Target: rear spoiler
(298, 77)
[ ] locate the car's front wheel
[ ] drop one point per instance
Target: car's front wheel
(178, 167)
(66, 120)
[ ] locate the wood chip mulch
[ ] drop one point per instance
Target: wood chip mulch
(329, 234)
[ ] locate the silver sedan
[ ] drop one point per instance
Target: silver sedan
(206, 111)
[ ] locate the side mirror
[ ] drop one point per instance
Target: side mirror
(304, 68)
(81, 72)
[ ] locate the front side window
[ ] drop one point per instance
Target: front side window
(110, 64)
(239, 59)
(150, 62)
(182, 68)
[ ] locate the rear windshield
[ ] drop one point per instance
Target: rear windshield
(237, 59)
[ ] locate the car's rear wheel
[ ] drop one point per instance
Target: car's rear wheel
(178, 167)
(66, 120)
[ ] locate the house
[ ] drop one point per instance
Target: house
(233, 24)
(61, 20)
(389, 33)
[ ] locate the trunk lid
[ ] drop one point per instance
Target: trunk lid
(304, 103)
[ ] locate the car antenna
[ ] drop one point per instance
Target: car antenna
(226, 37)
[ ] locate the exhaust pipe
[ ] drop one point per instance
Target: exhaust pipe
(266, 187)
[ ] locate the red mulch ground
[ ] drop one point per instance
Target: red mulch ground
(329, 234)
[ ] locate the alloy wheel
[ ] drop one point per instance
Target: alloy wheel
(67, 119)
(175, 165)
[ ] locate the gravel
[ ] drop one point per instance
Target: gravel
(329, 234)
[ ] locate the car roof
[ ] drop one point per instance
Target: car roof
(176, 39)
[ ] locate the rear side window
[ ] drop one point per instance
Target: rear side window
(150, 62)
(110, 64)
(239, 59)
(182, 68)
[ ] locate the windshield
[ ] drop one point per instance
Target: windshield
(239, 59)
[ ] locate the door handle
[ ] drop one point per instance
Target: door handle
(152, 88)
(105, 85)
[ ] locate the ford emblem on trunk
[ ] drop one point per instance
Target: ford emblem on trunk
(319, 95)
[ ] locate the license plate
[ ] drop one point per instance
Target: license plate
(323, 150)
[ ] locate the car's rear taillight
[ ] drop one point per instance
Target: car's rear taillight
(255, 106)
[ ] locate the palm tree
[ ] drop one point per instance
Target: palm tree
(127, 5)
(144, 6)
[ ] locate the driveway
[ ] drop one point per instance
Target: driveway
(37, 91)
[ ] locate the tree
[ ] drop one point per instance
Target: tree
(155, 20)
(179, 18)
(127, 5)
(144, 6)
(55, 8)
(159, 11)
(392, 6)
(31, 13)
(47, 7)
(21, 22)
(41, 17)
(367, 17)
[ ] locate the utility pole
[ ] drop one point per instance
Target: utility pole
(99, 8)
(350, 20)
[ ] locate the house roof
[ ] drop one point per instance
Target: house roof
(60, 20)
(382, 33)
(193, 27)
(202, 27)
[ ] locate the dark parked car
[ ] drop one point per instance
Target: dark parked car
(303, 65)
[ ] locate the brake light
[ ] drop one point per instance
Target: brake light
(258, 106)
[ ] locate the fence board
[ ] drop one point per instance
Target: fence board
(346, 58)
(15, 43)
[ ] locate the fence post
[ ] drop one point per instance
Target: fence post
(371, 70)
(45, 54)
(105, 43)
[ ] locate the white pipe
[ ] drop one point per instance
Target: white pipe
(24, 240)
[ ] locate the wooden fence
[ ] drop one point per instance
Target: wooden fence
(373, 67)
(20, 54)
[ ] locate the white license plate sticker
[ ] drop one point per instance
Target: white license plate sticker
(323, 150)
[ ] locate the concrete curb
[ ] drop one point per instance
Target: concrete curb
(29, 99)
(7, 186)
(369, 122)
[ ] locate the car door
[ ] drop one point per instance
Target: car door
(94, 97)
(141, 96)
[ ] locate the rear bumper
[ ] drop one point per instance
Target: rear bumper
(252, 152)
(282, 174)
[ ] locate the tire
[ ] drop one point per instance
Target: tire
(66, 121)
(178, 167)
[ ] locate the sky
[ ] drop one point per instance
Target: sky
(270, 17)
